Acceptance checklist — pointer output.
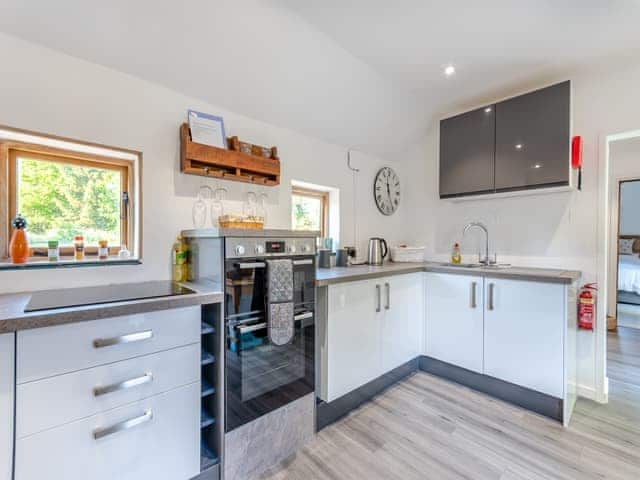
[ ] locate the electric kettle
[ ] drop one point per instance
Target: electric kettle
(377, 251)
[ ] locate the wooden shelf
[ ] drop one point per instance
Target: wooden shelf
(207, 161)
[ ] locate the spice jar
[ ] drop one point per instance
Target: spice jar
(103, 250)
(53, 251)
(78, 247)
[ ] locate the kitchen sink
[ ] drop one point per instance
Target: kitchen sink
(493, 266)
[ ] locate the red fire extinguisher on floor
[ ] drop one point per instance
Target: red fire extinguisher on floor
(587, 306)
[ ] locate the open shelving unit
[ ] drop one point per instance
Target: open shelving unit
(211, 393)
(208, 161)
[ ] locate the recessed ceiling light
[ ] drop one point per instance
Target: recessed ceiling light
(537, 165)
(518, 146)
(449, 70)
(487, 110)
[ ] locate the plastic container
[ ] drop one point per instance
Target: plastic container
(406, 254)
(456, 258)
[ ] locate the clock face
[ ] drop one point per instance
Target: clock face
(386, 191)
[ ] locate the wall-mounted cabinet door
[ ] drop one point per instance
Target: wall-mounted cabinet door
(454, 319)
(467, 151)
(532, 139)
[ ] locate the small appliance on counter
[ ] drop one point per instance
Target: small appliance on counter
(324, 258)
(342, 257)
(377, 251)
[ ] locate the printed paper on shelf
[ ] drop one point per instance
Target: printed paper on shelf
(207, 129)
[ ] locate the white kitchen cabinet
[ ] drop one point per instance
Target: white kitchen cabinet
(372, 327)
(524, 334)
(454, 319)
(7, 386)
(402, 320)
(353, 348)
(157, 437)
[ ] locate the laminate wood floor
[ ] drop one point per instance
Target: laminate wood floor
(623, 355)
(428, 428)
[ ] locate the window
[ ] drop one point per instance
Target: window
(310, 210)
(63, 193)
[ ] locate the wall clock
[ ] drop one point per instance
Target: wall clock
(386, 191)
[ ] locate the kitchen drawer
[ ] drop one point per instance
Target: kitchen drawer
(164, 442)
(54, 401)
(45, 352)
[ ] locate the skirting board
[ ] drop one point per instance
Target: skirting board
(327, 413)
(524, 397)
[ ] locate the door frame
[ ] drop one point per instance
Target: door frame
(605, 251)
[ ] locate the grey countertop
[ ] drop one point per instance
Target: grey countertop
(363, 272)
(14, 318)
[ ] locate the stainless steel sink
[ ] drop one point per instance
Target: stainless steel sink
(461, 265)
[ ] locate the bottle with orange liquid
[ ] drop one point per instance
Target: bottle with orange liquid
(19, 245)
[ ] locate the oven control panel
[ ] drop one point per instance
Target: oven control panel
(251, 247)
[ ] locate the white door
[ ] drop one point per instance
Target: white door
(523, 334)
(353, 336)
(403, 319)
(454, 319)
(6, 404)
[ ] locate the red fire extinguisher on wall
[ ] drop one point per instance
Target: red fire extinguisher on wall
(587, 306)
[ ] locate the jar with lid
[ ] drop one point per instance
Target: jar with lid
(78, 247)
(53, 251)
(103, 250)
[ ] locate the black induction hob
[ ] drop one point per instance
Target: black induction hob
(77, 297)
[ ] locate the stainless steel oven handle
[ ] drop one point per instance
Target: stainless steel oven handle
(262, 326)
(126, 425)
(132, 382)
(129, 338)
(250, 265)
(308, 261)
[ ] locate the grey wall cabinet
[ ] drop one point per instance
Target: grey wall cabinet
(532, 139)
(517, 144)
(467, 153)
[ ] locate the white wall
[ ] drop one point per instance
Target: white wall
(553, 230)
(630, 206)
(53, 93)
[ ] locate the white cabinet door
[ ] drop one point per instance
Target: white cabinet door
(403, 320)
(454, 319)
(6, 404)
(158, 437)
(353, 337)
(523, 335)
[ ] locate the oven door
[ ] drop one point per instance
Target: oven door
(261, 377)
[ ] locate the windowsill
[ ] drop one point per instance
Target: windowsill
(66, 262)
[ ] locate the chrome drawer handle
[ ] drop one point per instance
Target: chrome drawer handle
(472, 300)
(303, 262)
(129, 338)
(133, 382)
(125, 425)
(388, 289)
(247, 266)
(262, 326)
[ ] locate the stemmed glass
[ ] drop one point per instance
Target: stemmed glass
(217, 205)
(199, 210)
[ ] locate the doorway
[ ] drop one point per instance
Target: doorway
(623, 333)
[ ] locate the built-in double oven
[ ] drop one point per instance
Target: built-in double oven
(261, 376)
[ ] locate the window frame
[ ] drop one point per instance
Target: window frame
(10, 151)
(324, 203)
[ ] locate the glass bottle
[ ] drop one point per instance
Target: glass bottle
(19, 245)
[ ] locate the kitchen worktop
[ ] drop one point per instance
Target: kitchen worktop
(334, 275)
(13, 317)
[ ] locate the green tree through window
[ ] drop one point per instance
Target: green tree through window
(61, 200)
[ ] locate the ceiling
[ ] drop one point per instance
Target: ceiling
(360, 73)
